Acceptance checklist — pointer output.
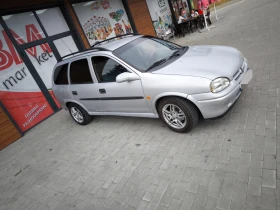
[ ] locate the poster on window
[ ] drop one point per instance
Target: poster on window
(19, 92)
(186, 6)
(160, 14)
(102, 19)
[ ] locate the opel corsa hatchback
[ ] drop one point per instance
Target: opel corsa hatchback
(143, 76)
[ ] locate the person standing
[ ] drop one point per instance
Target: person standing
(208, 16)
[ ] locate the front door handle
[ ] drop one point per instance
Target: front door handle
(74, 93)
(102, 91)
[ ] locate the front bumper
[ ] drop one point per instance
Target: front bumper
(215, 107)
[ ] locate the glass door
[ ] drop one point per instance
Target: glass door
(19, 92)
(43, 59)
(32, 43)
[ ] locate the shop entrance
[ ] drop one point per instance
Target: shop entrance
(31, 43)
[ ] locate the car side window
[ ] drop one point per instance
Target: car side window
(106, 69)
(80, 73)
(60, 75)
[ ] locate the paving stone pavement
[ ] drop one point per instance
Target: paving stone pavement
(136, 164)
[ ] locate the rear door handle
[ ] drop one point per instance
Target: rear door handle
(102, 91)
(74, 93)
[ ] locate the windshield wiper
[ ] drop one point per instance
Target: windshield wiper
(178, 52)
(157, 63)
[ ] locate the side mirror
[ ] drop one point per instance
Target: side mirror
(127, 77)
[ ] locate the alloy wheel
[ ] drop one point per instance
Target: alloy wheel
(174, 116)
(77, 115)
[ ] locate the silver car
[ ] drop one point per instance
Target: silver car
(144, 76)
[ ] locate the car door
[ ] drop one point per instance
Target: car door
(82, 87)
(126, 97)
(61, 83)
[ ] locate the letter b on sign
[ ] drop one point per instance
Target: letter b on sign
(6, 59)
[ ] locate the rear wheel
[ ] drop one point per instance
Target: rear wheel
(178, 114)
(79, 114)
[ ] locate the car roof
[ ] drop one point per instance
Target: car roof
(117, 43)
(110, 45)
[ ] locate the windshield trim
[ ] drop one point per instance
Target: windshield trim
(169, 61)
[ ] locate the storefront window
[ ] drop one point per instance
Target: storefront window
(65, 46)
(102, 19)
(186, 6)
(160, 14)
(178, 5)
(52, 20)
(43, 60)
(24, 27)
(19, 93)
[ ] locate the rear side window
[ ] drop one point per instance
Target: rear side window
(60, 75)
(79, 72)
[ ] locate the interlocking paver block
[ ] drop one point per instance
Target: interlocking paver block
(254, 186)
(268, 198)
(269, 162)
(168, 194)
(137, 199)
(232, 165)
(235, 151)
(166, 163)
(193, 187)
(181, 190)
(215, 187)
(253, 202)
(175, 204)
(245, 159)
(220, 171)
(239, 192)
(269, 178)
(237, 206)
(197, 206)
(201, 195)
(148, 196)
(243, 174)
(210, 203)
(188, 201)
(224, 202)
(143, 205)
(227, 187)
(162, 186)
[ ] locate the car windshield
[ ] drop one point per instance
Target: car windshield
(146, 53)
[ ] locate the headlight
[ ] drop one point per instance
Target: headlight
(219, 84)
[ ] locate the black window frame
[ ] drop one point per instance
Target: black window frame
(70, 79)
(20, 49)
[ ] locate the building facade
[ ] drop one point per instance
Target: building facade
(35, 34)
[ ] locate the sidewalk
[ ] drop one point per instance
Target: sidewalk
(231, 2)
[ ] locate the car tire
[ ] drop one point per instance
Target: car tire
(81, 117)
(183, 109)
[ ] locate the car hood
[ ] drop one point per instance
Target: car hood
(206, 61)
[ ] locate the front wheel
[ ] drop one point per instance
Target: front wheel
(178, 114)
(79, 114)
